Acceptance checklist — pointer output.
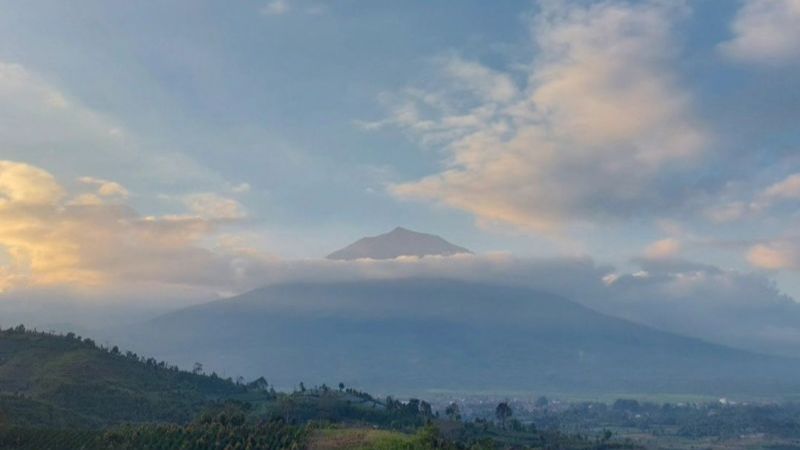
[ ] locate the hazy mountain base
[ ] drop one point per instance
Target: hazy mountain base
(416, 335)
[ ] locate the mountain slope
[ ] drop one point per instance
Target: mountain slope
(417, 334)
(398, 242)
(66, 381)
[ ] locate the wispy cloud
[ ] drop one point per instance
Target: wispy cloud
(42, 124)
(210, 205)
(601, 122)
(765, 32)
(276, 8)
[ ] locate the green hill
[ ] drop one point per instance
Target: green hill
(52, 381)
(48, 380)
(66, 393)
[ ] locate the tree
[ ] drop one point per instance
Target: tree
(542, 402)
(452, 411)
(503, 412)
(197, 369)
(341, 386)
(412, 407)
(425, 409)
(260, 384)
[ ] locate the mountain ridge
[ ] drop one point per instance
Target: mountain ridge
(431, 333)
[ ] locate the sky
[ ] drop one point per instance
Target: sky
(193, 149)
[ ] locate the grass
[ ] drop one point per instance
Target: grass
(357, 439)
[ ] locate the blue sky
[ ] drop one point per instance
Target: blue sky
(614, 130)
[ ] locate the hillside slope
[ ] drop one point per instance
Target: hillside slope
(417, 334)
(68, 381)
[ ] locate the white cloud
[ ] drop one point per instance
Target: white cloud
(106, 188)
(595, 134)
(765, 31)
(754, 202)
(787, 189)
(282, 7)
(214, 206)
(276, 8)
(491, 85)
(241, 188)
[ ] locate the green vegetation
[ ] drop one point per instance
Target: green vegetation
(66, 392)
(55, 381)
(226, 430)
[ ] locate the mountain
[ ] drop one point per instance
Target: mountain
(417, 334)
(398, 242)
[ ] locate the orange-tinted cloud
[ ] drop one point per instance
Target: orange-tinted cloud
(49, 237)
(777, 255)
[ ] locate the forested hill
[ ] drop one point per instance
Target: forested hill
(56, 382)
(69, 381)
(66, 393)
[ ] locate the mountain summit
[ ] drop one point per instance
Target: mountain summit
(398, 242)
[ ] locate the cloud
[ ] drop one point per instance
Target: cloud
(765, 32)
(491, 85)
(754, 202)
(724, 306)
(663, 249)
(106, 188)
(241, 188)
(775, 255)
(214, 206)
(787, 189)
(596, 132)
(44, 126)
(728, 212)
(276, 8)
(282, 7)
(21, 184)
(110, 261)
(52, 239)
